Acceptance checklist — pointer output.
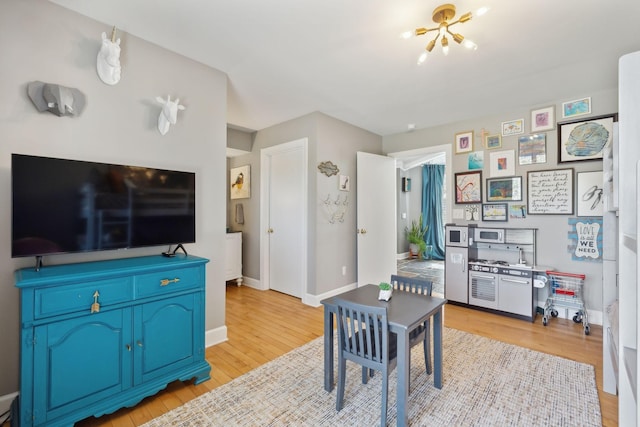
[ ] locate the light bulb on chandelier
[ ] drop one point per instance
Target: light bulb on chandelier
(442, 15)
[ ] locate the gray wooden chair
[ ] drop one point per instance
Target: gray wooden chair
(423, 332)
(364, 338)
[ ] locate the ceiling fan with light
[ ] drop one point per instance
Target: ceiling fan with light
(442, 15)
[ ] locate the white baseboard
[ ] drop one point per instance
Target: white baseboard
(314, 300)
(594, 317)
(253, 283)
(404, 255)
(215, 336)
(5, 401)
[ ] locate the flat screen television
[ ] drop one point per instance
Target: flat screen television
(69, 206)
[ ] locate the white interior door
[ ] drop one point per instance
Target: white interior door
(284, 189)
(376, 218)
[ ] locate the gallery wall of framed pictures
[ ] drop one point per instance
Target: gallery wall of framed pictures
(521, 178)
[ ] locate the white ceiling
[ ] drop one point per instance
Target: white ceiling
(287, 58)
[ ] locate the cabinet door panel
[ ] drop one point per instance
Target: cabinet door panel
(168, 335)
(81, 361)
(456, 275)
(233, 263)
(516, 296)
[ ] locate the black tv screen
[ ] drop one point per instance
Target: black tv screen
(64, 206)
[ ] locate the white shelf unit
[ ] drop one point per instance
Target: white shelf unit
(629, 138)
(610, 267)
(233, 264)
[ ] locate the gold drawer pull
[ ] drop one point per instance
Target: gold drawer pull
(95, 307)
(165, 282)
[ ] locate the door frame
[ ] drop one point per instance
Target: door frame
(447, 149)
(265, 173)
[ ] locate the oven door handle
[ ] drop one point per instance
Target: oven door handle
(522, 282)
(482, 276)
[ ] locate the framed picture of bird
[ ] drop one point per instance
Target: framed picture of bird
(240, 182)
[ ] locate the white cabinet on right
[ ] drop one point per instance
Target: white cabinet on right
(629, 149)
(233, 264)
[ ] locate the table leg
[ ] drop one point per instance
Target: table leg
(328, 349)
(437, 349)
(404, 352)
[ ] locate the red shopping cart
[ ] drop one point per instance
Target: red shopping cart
(565, 290)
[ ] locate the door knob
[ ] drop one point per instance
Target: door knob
(363, 231)
(270, 230)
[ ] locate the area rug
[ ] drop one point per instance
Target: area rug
(485, 383)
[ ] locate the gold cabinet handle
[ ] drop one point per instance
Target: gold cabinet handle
(165, 282)
(139, 343)
(128, 347)
(95, 307)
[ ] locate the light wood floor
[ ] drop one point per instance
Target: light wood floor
(260, 329)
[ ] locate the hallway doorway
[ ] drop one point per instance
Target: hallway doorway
(427, 269)
(409, 204)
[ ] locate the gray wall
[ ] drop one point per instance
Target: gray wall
(285, 132)
(331, 246)
(336, 243)
(409, 203)
(42, 41)
(239, 140)
(553, 229)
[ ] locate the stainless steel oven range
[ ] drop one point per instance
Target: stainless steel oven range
(500, 286)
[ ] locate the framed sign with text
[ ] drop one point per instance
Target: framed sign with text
(550, 192)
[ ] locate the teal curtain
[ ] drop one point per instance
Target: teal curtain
(432, 182)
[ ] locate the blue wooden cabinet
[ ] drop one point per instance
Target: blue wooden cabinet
(102, 335)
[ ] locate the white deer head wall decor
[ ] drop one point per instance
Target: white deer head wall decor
(169, 113)
(108, 62)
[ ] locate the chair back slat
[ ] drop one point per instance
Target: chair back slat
(363, 333)
(412, 284)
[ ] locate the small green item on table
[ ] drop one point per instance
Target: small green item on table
(385, 291)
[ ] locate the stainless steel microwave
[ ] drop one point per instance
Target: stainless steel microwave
(488, 235)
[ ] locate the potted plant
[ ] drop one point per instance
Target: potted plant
(415, 236)
(385, 291)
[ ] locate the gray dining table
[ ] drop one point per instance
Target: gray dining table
(405, 311)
